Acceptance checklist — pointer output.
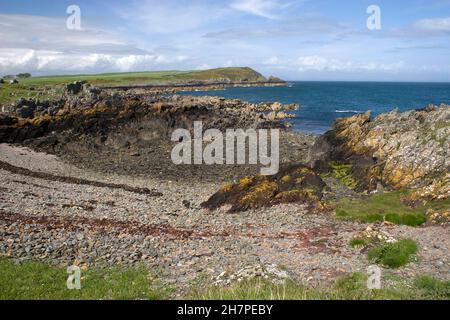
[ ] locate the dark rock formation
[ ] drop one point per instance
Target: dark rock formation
(6, 120)
(125, 118)
(75, 87)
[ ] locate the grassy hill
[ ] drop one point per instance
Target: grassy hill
(34, 87)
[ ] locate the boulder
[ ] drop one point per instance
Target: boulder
(6, 120)
(26, 111)
(75, 87)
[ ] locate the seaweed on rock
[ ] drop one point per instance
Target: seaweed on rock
(294, 184)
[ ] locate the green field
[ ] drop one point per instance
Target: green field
(37, 87)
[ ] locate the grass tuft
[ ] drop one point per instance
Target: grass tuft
(394, 255)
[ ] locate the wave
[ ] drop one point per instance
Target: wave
(348, 111)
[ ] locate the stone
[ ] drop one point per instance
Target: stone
(26, 111)
(6, 120)
(75, 87)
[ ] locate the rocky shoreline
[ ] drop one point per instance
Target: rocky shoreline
(200, 86)
(87, 179)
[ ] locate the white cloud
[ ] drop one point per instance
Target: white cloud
(38, 44)
(165, 17)
(320, 64)
(229, 63)
(388, 67)
(41, 33)
(297, 27)
(23, 60)
(262, 8)
(204, 66)
(271, 61)
(269, 9)
(436, 25)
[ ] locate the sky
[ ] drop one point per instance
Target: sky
(292, 39)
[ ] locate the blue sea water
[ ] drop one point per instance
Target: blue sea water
(322, 102)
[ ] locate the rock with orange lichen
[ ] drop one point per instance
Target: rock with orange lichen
(398, 150)
(439, 189)
(438, 217)
(295, 184)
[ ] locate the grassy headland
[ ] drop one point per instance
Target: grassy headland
(37, 87)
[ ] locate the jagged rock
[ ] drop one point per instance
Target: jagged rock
(438, 189)
(273, 106)
(121, 119)
(397, 149)
(6, 120)
(272, 116)
(372, 236)
(25, 108)
(26, 111)
(438, 217)
(75, 87)
(295, 184)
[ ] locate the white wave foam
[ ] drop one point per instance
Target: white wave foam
(348, 111)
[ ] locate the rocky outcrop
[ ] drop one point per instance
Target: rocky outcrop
(29, 108)
(205, 85)
(297, 184)
(439, 189)
(391, 151)
(399, 150)
(122, 118)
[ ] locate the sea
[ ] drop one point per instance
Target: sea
(322, 102)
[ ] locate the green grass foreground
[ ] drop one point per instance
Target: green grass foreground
(34, 280)
(353, 287)
(386, 207)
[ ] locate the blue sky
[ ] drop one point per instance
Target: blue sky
(293, 39)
